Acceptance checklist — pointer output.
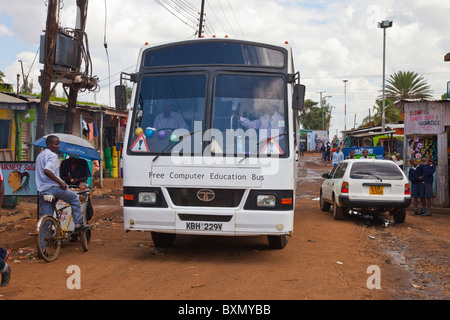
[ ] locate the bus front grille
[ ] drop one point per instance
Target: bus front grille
(205, 197)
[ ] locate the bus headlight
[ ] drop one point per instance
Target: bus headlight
(147, 197)
(266, 200)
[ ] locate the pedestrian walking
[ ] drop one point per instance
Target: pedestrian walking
(427, 184)
(327, 153)
(323, 149)
(415, 174)
(5, 269)
(338, 156)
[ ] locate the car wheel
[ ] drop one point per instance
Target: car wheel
(338, 212)
(399, 215)
(278, 242)
(324, 206)
(163, 240)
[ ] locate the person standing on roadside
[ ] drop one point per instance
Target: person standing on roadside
(365, 154)
(398, 160)
(351, 154)
(415, 174)
(5, 269)
(327, 153)
(427, 184)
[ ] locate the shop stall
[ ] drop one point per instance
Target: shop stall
(427, 134)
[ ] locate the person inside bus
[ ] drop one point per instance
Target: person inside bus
(75, 171)
(269, 120)
(169, 119)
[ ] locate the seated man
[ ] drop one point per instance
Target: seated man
(74, 171)
(271, 125)
(49, 182)
(169, 119)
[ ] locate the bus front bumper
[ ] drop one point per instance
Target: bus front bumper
(211, 221)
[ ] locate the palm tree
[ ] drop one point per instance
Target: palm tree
(407, 85)
(391, 114)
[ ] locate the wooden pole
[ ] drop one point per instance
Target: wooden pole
(46, 75)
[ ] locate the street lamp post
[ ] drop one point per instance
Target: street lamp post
(345, 104)
(384, 25)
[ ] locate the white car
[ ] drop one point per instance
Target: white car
(366, 186)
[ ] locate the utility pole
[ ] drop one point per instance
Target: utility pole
(49, 56)
(82, 6)
(200, 28)
(384, 25)
(345, 104)
(321, 108)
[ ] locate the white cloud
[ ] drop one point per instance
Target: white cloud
(332, 40)
(4, 31)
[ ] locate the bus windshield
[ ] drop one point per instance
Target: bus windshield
(248, 115)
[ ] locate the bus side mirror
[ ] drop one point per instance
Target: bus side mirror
(120, 97)
(298, 99)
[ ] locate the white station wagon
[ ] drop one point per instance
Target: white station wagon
(366, 186)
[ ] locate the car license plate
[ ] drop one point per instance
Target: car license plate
(376, 190)
(204, 226)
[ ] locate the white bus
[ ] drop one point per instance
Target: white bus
(211, 144)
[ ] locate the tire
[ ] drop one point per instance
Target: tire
(338, 212)
(48, 238)
(85, 236)
(278, 242)
(399, 215)
(163, 240)
(89, 211)
(324, 206)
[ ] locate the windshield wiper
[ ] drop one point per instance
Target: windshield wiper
(174, 143)
(368, 174)
(261, 143)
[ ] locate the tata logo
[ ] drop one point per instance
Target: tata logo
(206, 195)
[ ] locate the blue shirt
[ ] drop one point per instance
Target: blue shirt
(46, 160)
(337, 157)
(428, 171)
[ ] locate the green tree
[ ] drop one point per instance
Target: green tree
(391, 114)
(4, 86)
(407, 85)
(311, 116)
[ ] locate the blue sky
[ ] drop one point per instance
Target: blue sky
(332, 40)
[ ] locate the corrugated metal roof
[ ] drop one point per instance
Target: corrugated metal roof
(7, 98)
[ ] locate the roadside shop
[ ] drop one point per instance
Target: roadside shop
(427, 132)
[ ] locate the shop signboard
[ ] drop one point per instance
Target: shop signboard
(424, 118)
(374, 152)
(19, 178)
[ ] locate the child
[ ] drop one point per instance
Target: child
(427, 184)
(415, 176)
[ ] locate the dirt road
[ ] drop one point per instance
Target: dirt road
(325, 259)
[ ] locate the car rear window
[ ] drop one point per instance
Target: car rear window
(376, 170)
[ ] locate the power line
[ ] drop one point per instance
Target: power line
(239, 25)
(214, 13)
(229, 24)
(174, 14)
